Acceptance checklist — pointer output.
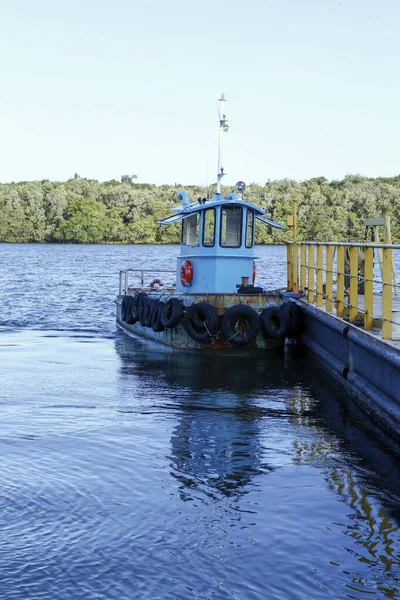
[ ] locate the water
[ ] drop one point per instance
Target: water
(130, 471)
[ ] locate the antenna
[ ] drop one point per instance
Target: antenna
(223, 127)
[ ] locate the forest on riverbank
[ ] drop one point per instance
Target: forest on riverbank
(87, 211)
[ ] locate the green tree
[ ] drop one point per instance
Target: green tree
(85, 222)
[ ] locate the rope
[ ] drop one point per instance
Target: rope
(231, 338)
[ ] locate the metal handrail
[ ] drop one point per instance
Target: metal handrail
(311, 278)
(123, 289)
(349, 244)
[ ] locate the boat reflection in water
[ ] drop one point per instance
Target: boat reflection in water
(215, 445)
(236, 419)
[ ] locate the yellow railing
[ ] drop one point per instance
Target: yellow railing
(346, 268)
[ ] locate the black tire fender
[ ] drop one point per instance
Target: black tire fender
(151, 306)
(291, 319)
(126, 307)
(156, 324)
(134, 313)
(172, 313)
(143, 303)
(234, 318)
(201, 322)
(272, 323)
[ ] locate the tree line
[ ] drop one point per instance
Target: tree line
(87, 211)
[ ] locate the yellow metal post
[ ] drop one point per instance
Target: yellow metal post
(340, 282)
(329, 277)
(294, 219)
(368, 288)
(295, 268)
(379, 250)
(387, 294)
(320, 266)
(310, 296)
(289, 248)
(353, 283)
(388, 240)
(303, 267)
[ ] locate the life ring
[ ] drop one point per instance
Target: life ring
(272, 322)
(201, 322)
(240, 324)
(156, 324)
(154, 282)
(126, 307)
(291, 318)
(186, 273)
(172, 313)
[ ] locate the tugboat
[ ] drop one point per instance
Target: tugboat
(215, 302)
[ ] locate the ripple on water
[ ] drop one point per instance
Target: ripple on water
(128, 471)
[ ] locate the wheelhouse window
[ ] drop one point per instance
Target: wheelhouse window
(249, 228)
(231, 227)
(190, 230)
(209, 227)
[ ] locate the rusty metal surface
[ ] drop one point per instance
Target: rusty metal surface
(178, 338)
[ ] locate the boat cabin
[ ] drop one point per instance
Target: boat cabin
(217, 243)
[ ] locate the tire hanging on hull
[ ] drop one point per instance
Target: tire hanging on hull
(272, 323)
(126, 305)
(151, 306)
(156, 324)
(134, 314)
(172, 313)
(143, 305)
(201, 322)
(291, 318)
(240, 324)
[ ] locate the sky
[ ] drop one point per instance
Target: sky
(103, 89)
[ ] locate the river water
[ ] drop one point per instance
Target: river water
(130, 471)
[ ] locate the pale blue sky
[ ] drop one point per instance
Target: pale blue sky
(104, 88)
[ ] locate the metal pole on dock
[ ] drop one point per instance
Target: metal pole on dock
(320, 267)
(387, 278)
(340, 283)
(311, 274)
(295, 249)
(353, 284)
(303, 267)
(368, 288)
(289, 267)
(388, 240)
(329, 278)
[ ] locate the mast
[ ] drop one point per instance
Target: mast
(222, 127)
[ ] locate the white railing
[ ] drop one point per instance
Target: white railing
(141, 278)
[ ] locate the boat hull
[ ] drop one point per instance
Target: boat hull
(178, 338)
